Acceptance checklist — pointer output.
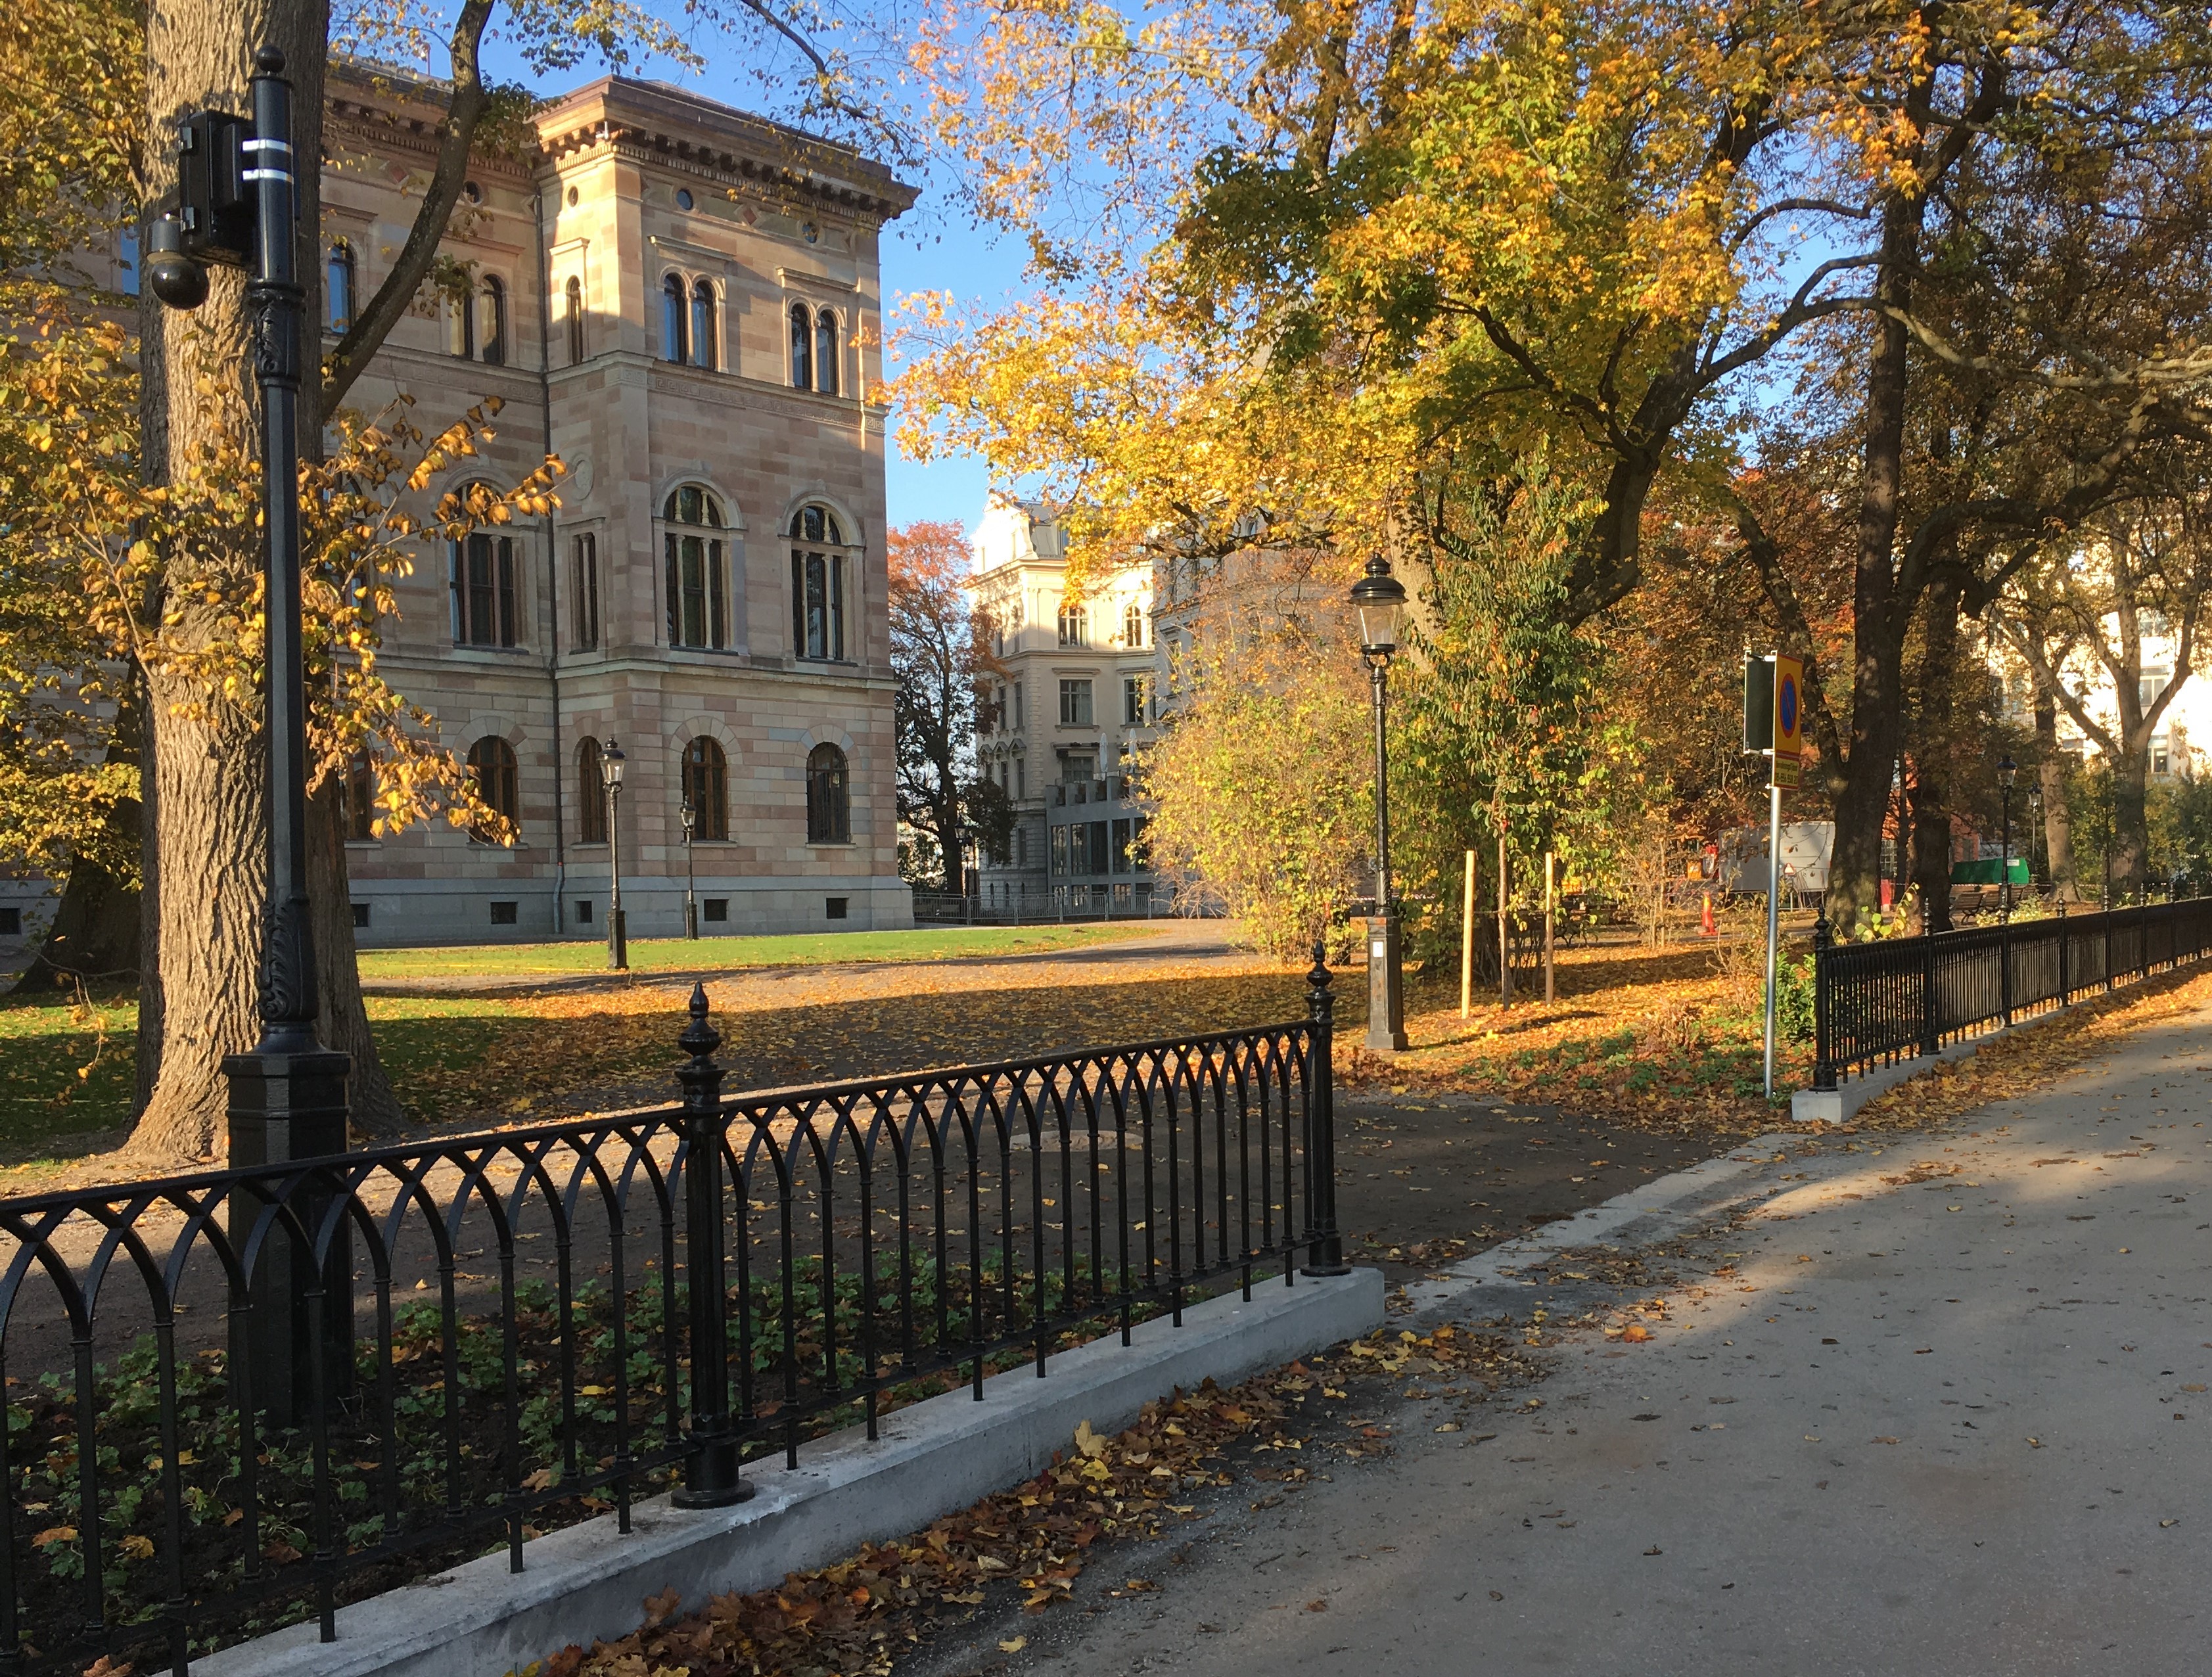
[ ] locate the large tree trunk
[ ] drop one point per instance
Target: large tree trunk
(208, 816)
(1930, 786)
(344, 1023)
(1879, 616)
(2057, 819)
(2131, 825)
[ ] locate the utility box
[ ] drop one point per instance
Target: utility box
(1806, 848)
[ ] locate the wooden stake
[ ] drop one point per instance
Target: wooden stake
(1549, 993)
(1467, 944)
(1504, 930)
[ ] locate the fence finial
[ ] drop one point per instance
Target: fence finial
(700, 1039)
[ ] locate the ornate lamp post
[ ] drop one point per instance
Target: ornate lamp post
(611, 763)
(235, 208)
(1379, 599)
(689, 816)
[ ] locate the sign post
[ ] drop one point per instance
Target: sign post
(1785, 759)
(1467, 944)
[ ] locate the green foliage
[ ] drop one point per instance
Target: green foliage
(1504, 719)
(1794, 988)
(1262, 780)
(2181, 830)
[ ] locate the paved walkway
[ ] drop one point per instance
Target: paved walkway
(1949, 1417)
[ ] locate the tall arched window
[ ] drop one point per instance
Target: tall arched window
(357, 798)
(696, 569)
(1132, 625)
(671, 317)
(591, 794)
(817, 585)
(461, 325)
(491, 303)
(802, 349)
(492, 771)
(826, 353)
(480, 576)
(574, 295)
(1075, 624)
(338, 286)
(706, 344)
(829, 799)
(707, 789)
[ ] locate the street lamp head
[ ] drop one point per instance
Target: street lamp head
(611, 764)
(689, 817)
(1379, 599)
(2006, 768)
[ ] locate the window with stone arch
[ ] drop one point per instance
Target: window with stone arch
(1132, 625)
(572, 294)
(339, 276)
(491, 306)
(673, 319)
(591, 794)
(707, 789)
(696, 569)
(481, 581)
(1075, 624)
(829, 797)
(706, 339)
(496, 780)
(819, 568)
(828, 352)
(802, 348)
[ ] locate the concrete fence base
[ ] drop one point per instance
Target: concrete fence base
(587, 1582)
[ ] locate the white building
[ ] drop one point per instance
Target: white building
(1057, 728)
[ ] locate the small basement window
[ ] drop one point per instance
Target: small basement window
(718, 908)
(502, 914)
(361, 913)
(835, 907)
(11, 922)
(583, 911)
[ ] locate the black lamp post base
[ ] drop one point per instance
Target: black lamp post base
(711, 1477)
(1386, 998)
(287, 1104)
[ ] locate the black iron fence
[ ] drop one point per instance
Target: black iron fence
(1877, 1003)
(506, 1332)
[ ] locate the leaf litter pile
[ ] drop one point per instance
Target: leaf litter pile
(1023, 1549)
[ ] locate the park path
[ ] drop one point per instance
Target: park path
(1949, 1415)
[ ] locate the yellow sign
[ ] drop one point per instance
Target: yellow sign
(1788, 719)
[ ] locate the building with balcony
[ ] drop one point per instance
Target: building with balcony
(1059, 728)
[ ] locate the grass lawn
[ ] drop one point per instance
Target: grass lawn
(66, 1067)
(705, 954)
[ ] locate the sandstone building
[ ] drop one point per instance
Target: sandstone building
(683, 303)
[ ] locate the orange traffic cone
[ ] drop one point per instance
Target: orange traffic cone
(1705, 926)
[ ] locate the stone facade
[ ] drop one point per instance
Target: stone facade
(1078, 698)
(683, 303)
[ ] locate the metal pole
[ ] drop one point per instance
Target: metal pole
(2004, 905)
(1386, 1006)
(711, 1477)
(288, 1096)
(1773, 917)
(1328, 1244)
(1504, 924)
(691, 902)
(618, 934)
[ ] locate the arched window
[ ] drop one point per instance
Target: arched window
(492, 304)
(1132, 625)
(1075, 624)
(461, 325)
(480, 576)
(697, 569)
(706, 345)
(802, 351)
(707, 789)
(817, 585)
(491, 771)
(826, 354)
(574, 294)
(671, 317)
(591, 794)
(337, 285)
(829, 799)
